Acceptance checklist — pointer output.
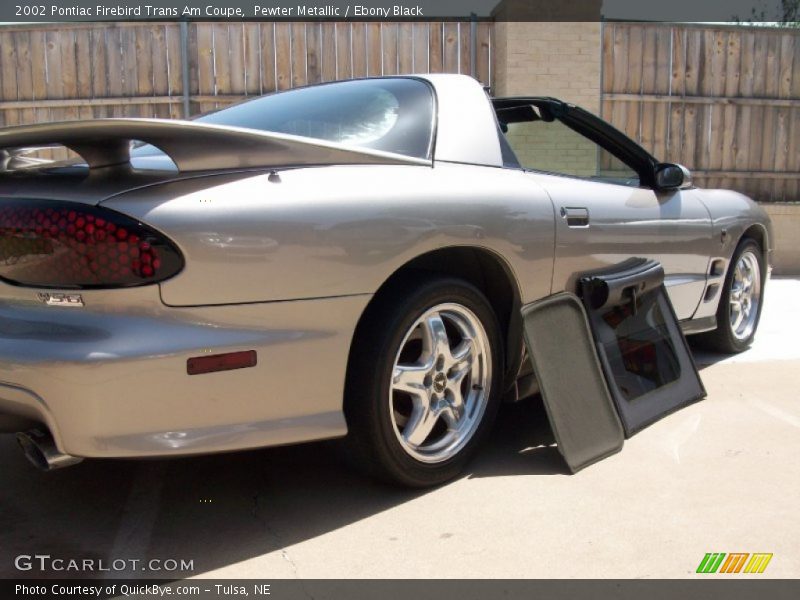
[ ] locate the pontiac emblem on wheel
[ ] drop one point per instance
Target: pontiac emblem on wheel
(74, 300)
(440, 383)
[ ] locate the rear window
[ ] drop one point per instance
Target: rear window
(393, 115)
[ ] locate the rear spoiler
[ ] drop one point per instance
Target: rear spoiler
(192, 145)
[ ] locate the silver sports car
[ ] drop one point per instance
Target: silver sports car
(346, 259)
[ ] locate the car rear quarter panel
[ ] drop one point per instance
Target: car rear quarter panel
(110, 379)
(339, 231)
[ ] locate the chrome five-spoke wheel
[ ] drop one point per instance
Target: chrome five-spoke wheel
(424, 379)
(745, 295)
(741, 301)
(440, 383)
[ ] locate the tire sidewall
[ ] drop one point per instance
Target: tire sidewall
(723, 318)
(392, 324)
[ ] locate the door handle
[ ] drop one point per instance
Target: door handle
(575, 216)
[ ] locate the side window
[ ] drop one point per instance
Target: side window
(553, 147)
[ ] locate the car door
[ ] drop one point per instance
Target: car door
(607, 204)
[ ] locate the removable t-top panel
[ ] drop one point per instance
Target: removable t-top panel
(648, 365)
(580, 410)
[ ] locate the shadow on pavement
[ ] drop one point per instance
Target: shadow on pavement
(222, 509)
(703, 357)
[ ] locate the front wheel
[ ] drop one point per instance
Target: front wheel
(424, 381)
(740, 304)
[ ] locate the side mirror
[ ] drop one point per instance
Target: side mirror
(672, 177)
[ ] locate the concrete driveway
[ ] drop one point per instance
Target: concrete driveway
(722, 475)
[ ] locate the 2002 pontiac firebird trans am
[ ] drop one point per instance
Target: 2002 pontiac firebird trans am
(345, 259)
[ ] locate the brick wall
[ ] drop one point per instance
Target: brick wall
(786, 243)
(549, 59)
(552, 147)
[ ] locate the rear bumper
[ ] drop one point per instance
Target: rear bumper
(110, 379)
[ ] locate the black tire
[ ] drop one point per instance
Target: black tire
(373, 443)
(722, 339)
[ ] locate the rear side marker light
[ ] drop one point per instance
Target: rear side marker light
(57, 244)
(221, 362)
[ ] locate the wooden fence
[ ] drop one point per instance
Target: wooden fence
(724, 101)
(90, 70)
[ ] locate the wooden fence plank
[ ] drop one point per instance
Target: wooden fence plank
(221, 59)
(484, 51)
(743, 114)
(786, 65)
(621, 113)
(795, 93)
(251, 46)
(663, 59)
(405, 49)
(632, 54)
(160, 59)
(464, 48)
(435, 47)
(746, 64)
(772, 66)
(237, 60)
(143, 42)
(313, 50)
(38, 45)
(193, 52)
(262, 35)
(421, 48)
(374, 49)
(344, 50)
(677, 85)
(450, 55)
(53, 62)
(389, 54)
(172, 38)
(328, 54)
(283, 55)
(767, 138)
(694, 42)
(20, 61)
(675, 138)
(760, 60)
(359, 49)
(130, 83)
(13, 81)
(205, 59)
(781, 156)
(24, 73)
(620, 71)
(733, 65)
(607, 60)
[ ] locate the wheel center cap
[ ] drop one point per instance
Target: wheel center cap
(439, 383)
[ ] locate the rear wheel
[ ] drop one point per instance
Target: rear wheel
(739, 307)
(423, 382)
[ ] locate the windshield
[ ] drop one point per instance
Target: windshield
(393, 115)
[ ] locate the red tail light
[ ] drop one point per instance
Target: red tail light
(54, 244)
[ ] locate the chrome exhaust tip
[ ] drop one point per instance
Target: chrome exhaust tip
(40, 448)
